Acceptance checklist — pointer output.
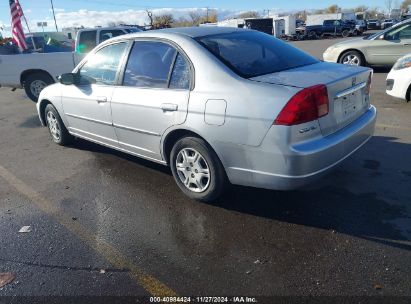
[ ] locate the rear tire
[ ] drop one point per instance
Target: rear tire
(35, 83)
(197, 169)
(312, 35)
(352, 58)
(58, 131)
(345, 33)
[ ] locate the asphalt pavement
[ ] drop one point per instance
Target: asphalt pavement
(103, 223)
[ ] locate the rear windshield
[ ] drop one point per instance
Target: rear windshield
(251, 53)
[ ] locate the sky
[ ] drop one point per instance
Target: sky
(100, 12)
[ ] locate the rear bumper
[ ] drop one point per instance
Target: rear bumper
(295, 166)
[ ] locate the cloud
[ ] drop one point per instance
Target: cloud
(57, 10)
(89, 18)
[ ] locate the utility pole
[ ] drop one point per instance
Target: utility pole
(207, 13)
(54, 15)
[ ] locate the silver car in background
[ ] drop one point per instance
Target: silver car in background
(217, 105)
(379, 49)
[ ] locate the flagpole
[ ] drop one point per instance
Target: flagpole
(54, 15)
(27, 24)
(25, 20)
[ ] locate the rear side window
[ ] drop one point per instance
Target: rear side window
(150, 66)
(180, 77)
(251, 54)
(87, 41)
(108, 34)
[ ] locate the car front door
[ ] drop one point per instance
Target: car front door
(87, 103)
(387, 49)
(153, 96)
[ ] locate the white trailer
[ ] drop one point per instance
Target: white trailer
(289, 24)
(237, 22)
(320, 18)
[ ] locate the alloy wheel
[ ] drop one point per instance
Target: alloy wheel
(54, 126)
(193, 170)
(351, 60)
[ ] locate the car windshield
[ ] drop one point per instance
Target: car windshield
(370, 37)
(251, 53)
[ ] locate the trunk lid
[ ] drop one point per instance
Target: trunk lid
(346, 87)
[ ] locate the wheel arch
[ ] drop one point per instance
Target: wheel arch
(27, 73)
(42, 110)
(175, 135)
(408, 94)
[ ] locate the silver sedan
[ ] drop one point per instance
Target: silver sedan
(217, 105)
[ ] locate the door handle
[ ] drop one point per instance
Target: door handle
(169, 107)
(101, 99)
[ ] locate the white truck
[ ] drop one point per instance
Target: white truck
(35, 71)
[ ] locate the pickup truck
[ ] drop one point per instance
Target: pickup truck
(35, 71)
(330, 28)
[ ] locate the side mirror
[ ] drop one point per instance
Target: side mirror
(68, 79)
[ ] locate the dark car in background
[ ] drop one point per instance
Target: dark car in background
(330, 28)
(374, 24)
(388, 23)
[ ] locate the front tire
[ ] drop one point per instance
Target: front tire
(35, 83)
(352, 58)
(58, 131)
(197, 169)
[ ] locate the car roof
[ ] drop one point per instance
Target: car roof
(191, 32)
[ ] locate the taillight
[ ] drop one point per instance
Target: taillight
(367, 90)
(307, 105)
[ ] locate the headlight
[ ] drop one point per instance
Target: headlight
(403, 63)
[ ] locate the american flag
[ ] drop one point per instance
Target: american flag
(17, 28)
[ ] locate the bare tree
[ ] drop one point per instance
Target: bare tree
(361, 8)
(150, 16)
(405, 4)
(333, 9)
(388, 4)
(250, 14)
(195, 18)
(163, 21)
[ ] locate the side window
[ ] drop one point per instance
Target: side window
(402, 32)
(87, 41)
(149, 65)
(108, 34)
(405, 33)
(102, 66)
(180, 77)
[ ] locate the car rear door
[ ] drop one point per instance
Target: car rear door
(87, 103)
(153, 96)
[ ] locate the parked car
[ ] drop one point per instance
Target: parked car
(388, 23)
(383, 48)
(216, 105)
(35, 71)
(399, 79)
(361, 26)
(330, 28)
(374, 24)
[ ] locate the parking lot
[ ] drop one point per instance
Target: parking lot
(103, 223)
